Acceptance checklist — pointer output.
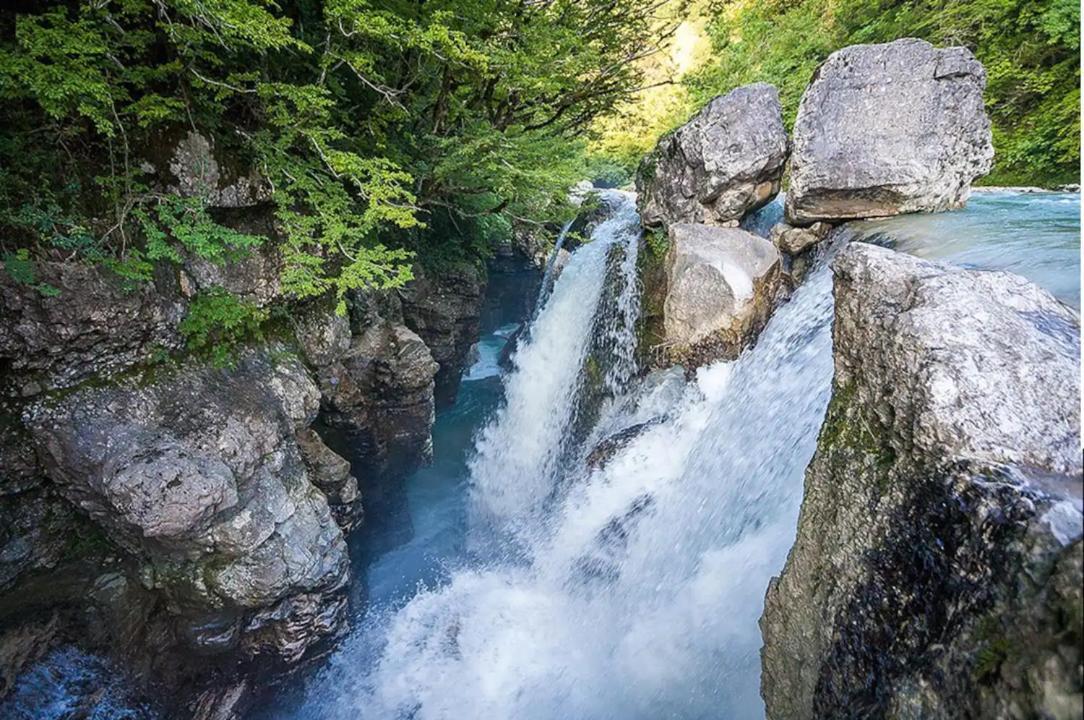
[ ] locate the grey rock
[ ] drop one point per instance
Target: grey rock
(197, 475)
(376, 383)
(725, 162)
(331, 473)
(381, 394)
(253, 276)
(721, 289)
(936, 570)
(796, 240)
(889, 129)
(96, 327)
(443, 309)
(199, 173)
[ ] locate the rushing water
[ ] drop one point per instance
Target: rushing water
(525, 585)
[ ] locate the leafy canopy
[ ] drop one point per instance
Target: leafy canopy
(386, 130)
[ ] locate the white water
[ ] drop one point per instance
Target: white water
(637, 589)
(520, 451)
(639, 586)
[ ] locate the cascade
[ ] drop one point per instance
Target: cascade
(636, 587)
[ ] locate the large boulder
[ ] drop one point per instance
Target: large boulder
(725, 162)
(443, 309)
(889, 129)
(721, 289)
(195, 472)
(937, 567)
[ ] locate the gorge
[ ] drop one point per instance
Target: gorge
(740, 444)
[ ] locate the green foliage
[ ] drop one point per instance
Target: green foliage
(387, 132)
(1031, 51)
(217, 321)
(658, 244)
(20, 268)
(174, 226)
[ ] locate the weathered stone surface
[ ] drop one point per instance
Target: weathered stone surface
(443, 309)
(331, 473)
(721, 288)
(936, 571)
(889, 129)
(725, 162)
(796, 240)
(254, 276)
(95, 327)
(197, 172)
(376, 384)
(196, 473)
(24, 644)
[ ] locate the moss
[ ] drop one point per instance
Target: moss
(87, 540)
(846, 426)
(651, 270)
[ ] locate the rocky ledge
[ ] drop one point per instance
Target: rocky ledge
(937, 567)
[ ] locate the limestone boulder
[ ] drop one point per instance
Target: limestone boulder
(195, 472)
(724, 163)
(889, 129)
(937, 567)
(721, 289)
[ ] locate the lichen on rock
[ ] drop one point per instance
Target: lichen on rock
(940, 527)
(725, 162)
(886, 129)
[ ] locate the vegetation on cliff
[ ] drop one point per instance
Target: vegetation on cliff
(1031, 52)
(383, 130)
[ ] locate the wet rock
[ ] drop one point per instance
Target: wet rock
(24, 644)
(443, 309)
(889, 129)
(725, 162)
(95, 327)
(197, 475)
(936, 570)
(721, 288)
(331, 473)
(601, 454)
(796, 240)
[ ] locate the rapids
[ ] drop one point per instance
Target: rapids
(509, 580)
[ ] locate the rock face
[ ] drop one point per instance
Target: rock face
(722, 164)
(889, 129)
(95, 327)
(197, 172)
(937, 567)
(444, 310)
(198, 476)
(721, 288)
(376, 384)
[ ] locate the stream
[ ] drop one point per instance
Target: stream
(514, 579)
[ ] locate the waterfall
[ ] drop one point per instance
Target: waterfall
(639, 584)
(529, 436)
(547, 275)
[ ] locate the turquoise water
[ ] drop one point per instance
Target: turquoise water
(1036, 235)
(415, 534)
